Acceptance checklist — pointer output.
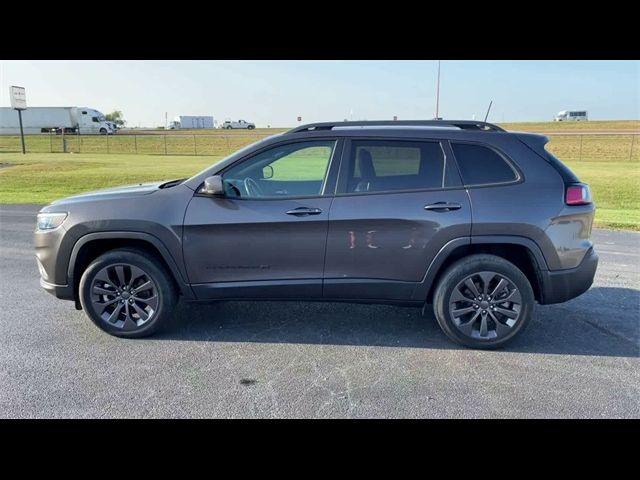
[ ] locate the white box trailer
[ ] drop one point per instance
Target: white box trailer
(54, 119)
(191, 121)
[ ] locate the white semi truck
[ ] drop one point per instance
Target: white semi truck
(191, 121)
(54, 119)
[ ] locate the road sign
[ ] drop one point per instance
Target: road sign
(395, 118)
(18, 98)
(299, 119)
(19, 103)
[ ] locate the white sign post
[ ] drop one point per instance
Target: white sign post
(19, 103)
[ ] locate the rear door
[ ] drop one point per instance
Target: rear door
(397, 204)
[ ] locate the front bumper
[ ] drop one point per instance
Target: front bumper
(64, 292)
(561, 285)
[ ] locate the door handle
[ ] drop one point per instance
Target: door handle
(443, 206)
(304, 211)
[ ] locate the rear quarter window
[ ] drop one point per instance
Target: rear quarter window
(481, 165)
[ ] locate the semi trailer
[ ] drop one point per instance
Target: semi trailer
(82, 120)
(191, 121)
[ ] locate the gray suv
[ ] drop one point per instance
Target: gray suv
(478, 222)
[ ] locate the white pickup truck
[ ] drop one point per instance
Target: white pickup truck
(229, 124)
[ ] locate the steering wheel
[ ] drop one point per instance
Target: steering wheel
(252, 188)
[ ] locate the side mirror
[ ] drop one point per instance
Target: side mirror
(213, 186)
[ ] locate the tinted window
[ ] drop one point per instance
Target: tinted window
(296, 169)
(480, 165)
(381, 165)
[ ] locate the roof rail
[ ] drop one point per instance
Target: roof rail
(461, 124)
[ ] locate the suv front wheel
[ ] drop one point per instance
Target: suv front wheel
(127, 293)
(483, 301)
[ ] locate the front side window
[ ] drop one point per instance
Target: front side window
(390, 165)
(291, 170)
(480, 165)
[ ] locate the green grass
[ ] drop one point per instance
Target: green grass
(616, 191)
(41, 178)
(632, 126)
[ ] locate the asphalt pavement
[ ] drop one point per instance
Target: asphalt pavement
(289, 359)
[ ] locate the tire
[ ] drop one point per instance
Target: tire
(229, 127)
(490, 324)
(250, 127)
(103, 131)
(139, 270)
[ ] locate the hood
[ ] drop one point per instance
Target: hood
(128, 191)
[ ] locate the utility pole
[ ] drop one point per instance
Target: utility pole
(165, 120)
(438, 93)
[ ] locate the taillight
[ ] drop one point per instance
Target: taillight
(578, 195)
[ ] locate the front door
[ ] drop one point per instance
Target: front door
(266, 237)
(397, 204)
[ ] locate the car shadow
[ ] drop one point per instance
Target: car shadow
(602, 322)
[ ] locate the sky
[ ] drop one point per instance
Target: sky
(275, 93)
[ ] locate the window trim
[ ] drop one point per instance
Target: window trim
(514, 167)
(329, 177)
(341, 184)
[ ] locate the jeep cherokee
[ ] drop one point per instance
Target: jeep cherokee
(478, 222)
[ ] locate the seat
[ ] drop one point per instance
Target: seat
(367, 171)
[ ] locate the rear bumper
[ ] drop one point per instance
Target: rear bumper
(562, 285)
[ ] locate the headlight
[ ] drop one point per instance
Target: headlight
(49, 221)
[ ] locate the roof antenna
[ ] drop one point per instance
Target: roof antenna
(438, 95)
(488, 110)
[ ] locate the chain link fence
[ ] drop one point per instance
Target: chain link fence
(213, 145)
(579, 147)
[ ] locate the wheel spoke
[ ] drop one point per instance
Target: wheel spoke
(507, 313)
(151, 301)
(103, 291)
(145, 286)
(120, 273)
(144, 316)
(129, 322)
(483, 326)
(136, 273)
(462, 311)
(486, 280)
(501, 328)
(103, 277)
(514, 296)
(458, 296)
(472, 286)
(115, 314)
(501, 284)
(107, 303)
(467, 328)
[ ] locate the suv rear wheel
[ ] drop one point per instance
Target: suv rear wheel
(127, 293)
(483, 301)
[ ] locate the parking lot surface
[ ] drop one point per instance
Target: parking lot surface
(289, 359)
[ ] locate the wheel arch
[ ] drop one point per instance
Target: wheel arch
(524, 253)
(92, 245)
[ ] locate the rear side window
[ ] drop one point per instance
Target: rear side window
(481, 165)
(389, 165)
